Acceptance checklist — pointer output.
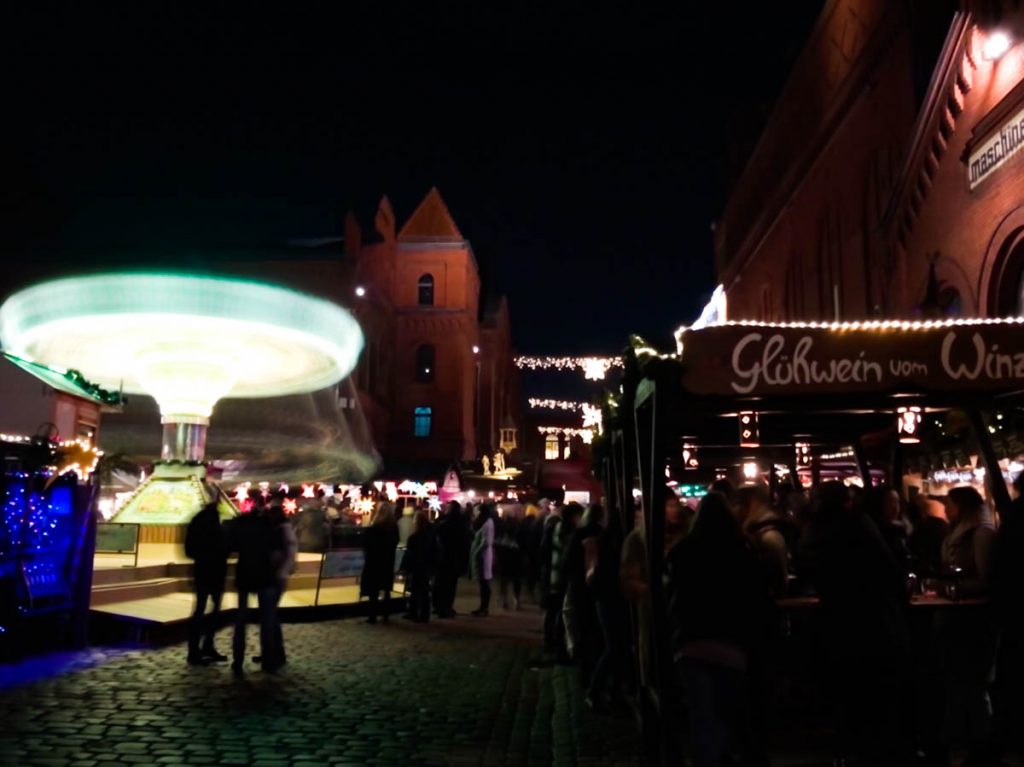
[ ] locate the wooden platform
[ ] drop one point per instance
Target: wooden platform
(153, 599)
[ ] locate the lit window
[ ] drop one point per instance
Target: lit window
(426, 290)
(425, 363)
(551, 452)
(421, 422)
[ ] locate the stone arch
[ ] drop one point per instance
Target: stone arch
(1003, 265)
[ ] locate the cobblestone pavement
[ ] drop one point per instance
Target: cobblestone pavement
(460, 692)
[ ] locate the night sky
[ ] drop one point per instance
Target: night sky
(584, 153)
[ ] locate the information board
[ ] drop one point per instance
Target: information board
(117, 538)
(342, 563)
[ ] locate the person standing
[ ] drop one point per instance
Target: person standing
(967, 640)
(253, 536)
(418, 564)
(557, 547)
(866, 633)
(405, 524)
(1007, 588)
(453, 543)
(529, 543)
(764, 528)
(510, 559)
(603, 578)
(717, 608)
(206, 545)
(482, 556)
(379, 546)
(284, 554)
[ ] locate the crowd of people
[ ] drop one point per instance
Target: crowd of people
(265, 544)
(918, 631)
(917, 619)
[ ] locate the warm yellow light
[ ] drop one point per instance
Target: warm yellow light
(995, 45)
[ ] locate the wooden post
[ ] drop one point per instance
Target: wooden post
(862, 464)
(993, 474)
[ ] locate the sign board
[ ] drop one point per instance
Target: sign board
(753, 360)
(117, 538)
(342, 563)
(994, 153)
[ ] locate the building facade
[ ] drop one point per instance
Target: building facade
(889, 180)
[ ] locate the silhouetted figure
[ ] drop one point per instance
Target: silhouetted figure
(865, 631)
(882, 505)
(206, 545)
(452, 536)
(765, 529)
(510, 560)
(718, 608)
(558, 534)
(603, 578)
(529, 547)
(379, 544)
(930, 529)
(579, 613)
(1007, 597)
(253, 536)
(418, 565)
(967, 638)
(283, 557)
(482, 556)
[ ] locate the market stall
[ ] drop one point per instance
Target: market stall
(907, 402)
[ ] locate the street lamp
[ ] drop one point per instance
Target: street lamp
(995, 46)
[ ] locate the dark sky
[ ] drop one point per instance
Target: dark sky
(584, 153)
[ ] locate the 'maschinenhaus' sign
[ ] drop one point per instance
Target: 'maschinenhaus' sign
(992, 154)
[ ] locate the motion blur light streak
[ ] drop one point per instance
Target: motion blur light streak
(183, 339)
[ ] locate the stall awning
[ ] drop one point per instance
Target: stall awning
(946, 357)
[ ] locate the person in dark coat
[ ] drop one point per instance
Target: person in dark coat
(1007, 591)
(452, 536)
(863, 608)
(579, 613)
(719, 605)
(418, 565)
(206, 545)
(255, 539)
(379, 546)
(510, 559)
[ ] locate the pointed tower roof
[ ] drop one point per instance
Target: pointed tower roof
(430, 222)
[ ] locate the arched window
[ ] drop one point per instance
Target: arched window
(551, 452)
(425, 363)
(421, 422)
(426, 290)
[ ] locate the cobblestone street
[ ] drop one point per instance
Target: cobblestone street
(459, 692)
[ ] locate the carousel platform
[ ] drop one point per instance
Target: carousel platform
(150, 600)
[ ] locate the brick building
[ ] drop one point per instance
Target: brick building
(437, 375)
(889, 179)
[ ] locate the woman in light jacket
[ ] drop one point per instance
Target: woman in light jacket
(482, 556)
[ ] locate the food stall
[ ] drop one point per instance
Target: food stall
(863, 402)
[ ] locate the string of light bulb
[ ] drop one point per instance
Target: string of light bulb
(594, 368)
(555, 404)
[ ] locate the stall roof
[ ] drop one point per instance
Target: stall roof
(68, 381)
